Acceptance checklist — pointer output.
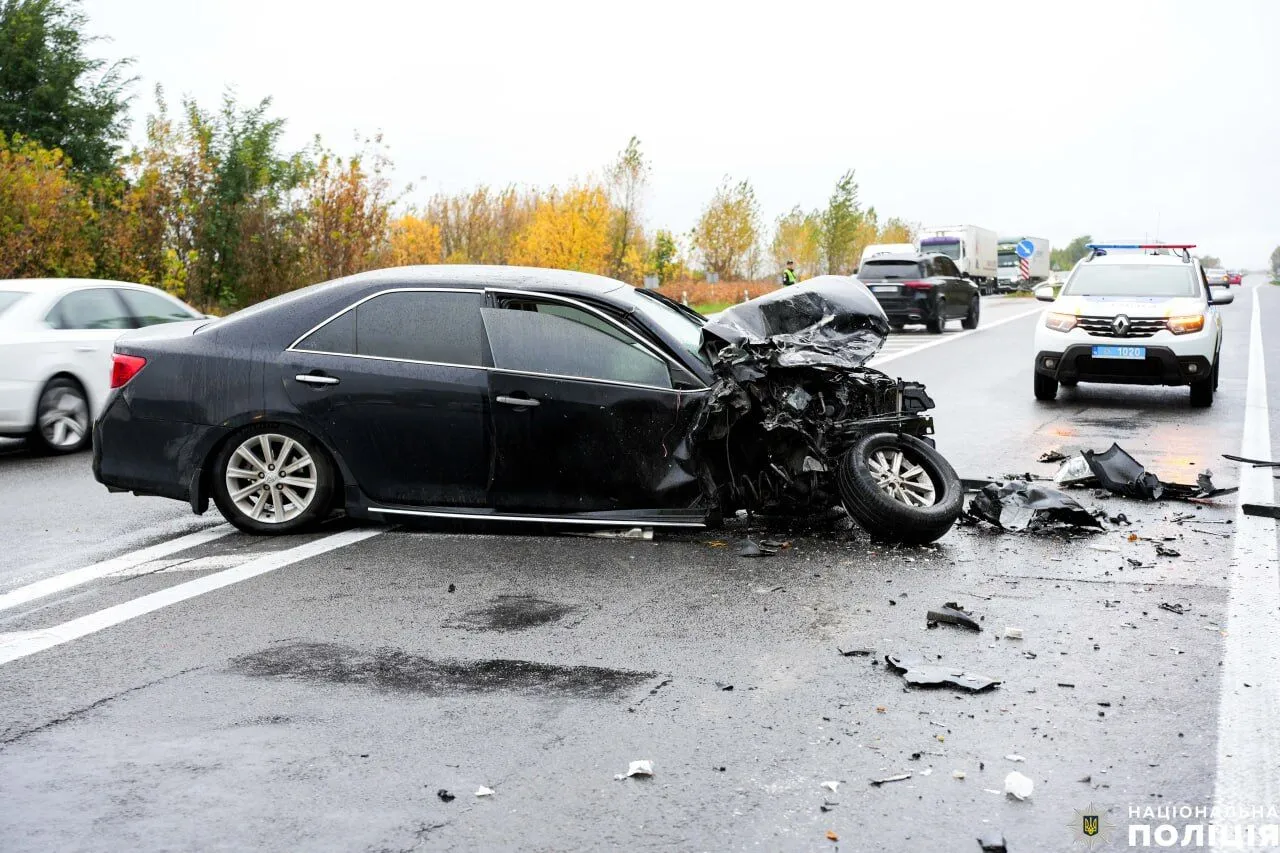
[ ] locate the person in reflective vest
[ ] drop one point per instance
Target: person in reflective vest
(789, 274)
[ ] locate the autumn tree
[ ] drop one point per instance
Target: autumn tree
(626, 182)
(52, 92)
(568, 230)
(413, 240)
(346, 212)
(44, 214)
(896, 230)
(798, 237)
(842, 221)
(480, 226)
(664, 257)
(728, 230)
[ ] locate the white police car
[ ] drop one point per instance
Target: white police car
(1141, 318)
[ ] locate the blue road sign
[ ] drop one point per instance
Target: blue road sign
(1025, 249)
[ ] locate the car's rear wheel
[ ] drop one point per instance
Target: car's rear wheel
(1046, 387)
(273, 479)
(899, 488)
(1202, 389)
(62, 417)
(938, 324)
(970, 320)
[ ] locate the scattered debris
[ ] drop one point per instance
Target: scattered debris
(775, 543)
(915, 671)
(1165, 551)
(1120, 473)
(1179, 609)
(992, 842)
(1014, 758)
(1256, 463)
(899, 778)
(751, 548)
(629, 533)
(1020, 506)
(445, 796)
(1074, 472)
(953, 614)
(832, 785)
(1013, 633)
(861, 653)
(1018, 786)
(831, 836)
(1052, 456)
(453, 588)
(482, 791)
(1065, 684)
(640, 768)
(1261, 510)
(957, 774)
(715, 543)
(926, 771)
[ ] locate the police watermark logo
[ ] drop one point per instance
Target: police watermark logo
(1090, 826)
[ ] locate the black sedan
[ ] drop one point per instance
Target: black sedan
(528, 395)
(922, 289)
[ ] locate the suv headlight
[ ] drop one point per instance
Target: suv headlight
(1060, 322)
(1186, 325)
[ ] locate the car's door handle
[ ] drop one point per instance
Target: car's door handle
(517, 401)
(315, 379)
(86, 348)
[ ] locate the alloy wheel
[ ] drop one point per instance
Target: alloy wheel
(64, 417)
(900, 478)
(271, 478)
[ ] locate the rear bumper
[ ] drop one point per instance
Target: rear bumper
(1161, 367)
(921, 309)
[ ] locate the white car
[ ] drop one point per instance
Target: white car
(56, 338)
(1145, 318)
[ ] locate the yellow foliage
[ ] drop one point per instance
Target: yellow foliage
(44, 215)
(799, 238)
(414, 240)
(896, 231)
(568, 230)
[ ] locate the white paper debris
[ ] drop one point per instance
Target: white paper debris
(640, 768)
(957, 774)
(831, 785)
(1017, 785)
(1015, 758)
(926, 771)
(1013, 633)
(482, 791)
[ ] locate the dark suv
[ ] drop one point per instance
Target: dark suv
(925, 289)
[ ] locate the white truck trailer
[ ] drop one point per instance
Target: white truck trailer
(972, 248)
(1012, 273)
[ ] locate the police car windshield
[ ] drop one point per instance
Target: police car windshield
(1132, 280)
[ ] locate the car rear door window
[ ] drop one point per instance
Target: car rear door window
(947, 267)
(415, 325)
(150, 309)
(96, 308)
(562, 340)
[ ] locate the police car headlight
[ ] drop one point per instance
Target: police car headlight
(1186, 325)
(1060, 322)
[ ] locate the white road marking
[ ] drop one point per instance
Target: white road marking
(946, 338)
(67, 580)
(169, 565)
(1249, 716)
(21, 644)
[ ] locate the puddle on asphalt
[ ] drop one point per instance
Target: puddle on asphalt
(392, 669)
(514, 613)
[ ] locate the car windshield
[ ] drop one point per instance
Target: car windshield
(684, 329)
(950, 248)
(1132, 280)
(1007, 259)
(886, 270)
(9, 298)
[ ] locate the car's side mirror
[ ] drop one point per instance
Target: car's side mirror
(1045, 293)
(1221, 296)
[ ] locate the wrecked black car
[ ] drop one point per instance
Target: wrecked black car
(525, 395)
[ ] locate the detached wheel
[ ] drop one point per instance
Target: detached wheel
(938, 324)
(970, 320)
(273, 480)
(1046, 387)
(899, 488)
(62, 417)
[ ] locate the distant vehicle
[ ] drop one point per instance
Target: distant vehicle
(1009, 274)
(972, 248)
(55, 352)
(1217, 276)
(1148, 318)
(921, 288)
(886, 249)
(1235, 277)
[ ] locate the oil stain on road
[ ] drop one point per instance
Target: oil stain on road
(514, 613)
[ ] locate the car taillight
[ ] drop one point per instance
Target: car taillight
(917, 285)
(125, 367)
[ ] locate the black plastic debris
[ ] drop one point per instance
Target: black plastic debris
(751, 548)
(445, 796)
(1256, 463)
(953, 614)
(861, 653)
(1021, 506)
(1052, 456)
(1261, 510)
(1120, 473)
(916, 672)
(1179, 609)
(1165, 551)
(992, 842)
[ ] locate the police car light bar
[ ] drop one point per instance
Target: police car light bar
(1183, 246)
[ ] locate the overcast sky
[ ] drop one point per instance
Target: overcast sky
(1041, 118)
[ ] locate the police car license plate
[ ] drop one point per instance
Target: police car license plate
(884, 288)
(1135, 353)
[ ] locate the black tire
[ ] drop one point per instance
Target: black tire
(887, 518)
(306, 513)
(62, 424)
(1046, 387)
(1202, 389)
(1068, 383)
(971, 319)
(938, 324)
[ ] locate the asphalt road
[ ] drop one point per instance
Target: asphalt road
(208, 690)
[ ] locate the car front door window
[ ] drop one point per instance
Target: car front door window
(96, 308)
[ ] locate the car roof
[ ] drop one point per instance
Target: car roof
(482, 275)
(58, 285)
(912, 257)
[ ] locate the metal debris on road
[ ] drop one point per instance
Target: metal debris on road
(899, 778)
(751, 548)
(952, 614)
(915, 671)
(1179, 609)
(1020, 506)
(1018, 786)
(1165, 551)
(861, 653)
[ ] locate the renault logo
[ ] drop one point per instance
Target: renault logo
(1120, 325)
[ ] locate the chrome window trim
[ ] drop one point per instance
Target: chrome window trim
(359, 302)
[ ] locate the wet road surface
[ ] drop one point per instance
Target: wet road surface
(318, 692)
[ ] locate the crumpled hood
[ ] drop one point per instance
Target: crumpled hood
(1133, 306)
(831, 320)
